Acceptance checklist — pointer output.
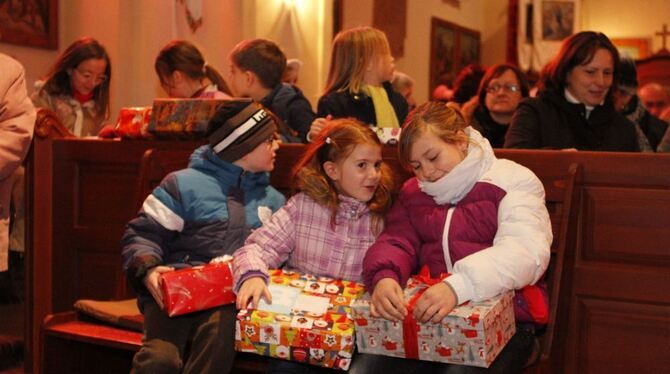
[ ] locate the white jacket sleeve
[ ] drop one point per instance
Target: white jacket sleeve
(521, 247)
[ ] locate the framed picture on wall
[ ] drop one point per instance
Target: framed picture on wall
(557, 20)
(452, 47)
(32, 23)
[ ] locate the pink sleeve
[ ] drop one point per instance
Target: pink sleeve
(269, 246)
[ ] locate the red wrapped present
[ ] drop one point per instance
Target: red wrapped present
(133, 123)
(197, 288)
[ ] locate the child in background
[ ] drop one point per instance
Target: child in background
(482, 219)
(292, 71)
(76, 87)
(184, 73)
(196, 214)
(358, 86)
(327, 227)
(256, 68)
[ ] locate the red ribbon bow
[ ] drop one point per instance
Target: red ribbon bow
(410, 328)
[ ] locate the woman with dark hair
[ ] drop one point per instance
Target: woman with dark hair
(77, 87)
(500, 92)
(574, 107)
(184, 73)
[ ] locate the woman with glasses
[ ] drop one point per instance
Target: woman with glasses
(77, 87)
(490, 112)
(574, 108)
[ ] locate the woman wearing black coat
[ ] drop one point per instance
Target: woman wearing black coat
(574, 107)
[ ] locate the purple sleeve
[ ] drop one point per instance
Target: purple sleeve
(394, 253)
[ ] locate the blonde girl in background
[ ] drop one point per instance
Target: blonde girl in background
(358, 86)
(326, 228)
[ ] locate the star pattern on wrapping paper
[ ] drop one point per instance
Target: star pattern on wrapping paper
(330, 340)
(250, 330)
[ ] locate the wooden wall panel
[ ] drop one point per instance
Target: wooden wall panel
(97, 274)
(621, 337)
(626, 225)
(95, 182)
(99, 186)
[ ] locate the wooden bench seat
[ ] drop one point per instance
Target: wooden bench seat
(75, 343)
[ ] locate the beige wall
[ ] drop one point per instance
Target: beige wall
(134, 31)
(628, 19)
(302, 28)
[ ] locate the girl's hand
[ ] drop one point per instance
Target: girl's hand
(388, 300)
(438, 300)
(253, 288)
(151, 282)
(317, 125)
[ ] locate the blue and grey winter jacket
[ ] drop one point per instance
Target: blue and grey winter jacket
(196, 214)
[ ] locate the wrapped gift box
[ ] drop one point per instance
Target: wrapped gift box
(133, 123)
(387, 135)
(198, 288)
(472, 334)
(182, 118)
(308, 321)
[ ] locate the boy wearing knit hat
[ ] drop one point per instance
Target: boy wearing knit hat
(198, 213)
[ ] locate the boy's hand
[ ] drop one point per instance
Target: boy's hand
(317, 125)
(253, 288)
(388, 300)
(438, 300)
(151, 282)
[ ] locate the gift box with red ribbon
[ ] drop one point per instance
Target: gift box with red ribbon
(473, 333)
(182, 118)
(308, 321)
(198, 288)
(133, 123)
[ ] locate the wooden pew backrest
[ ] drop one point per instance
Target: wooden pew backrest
(83, 194)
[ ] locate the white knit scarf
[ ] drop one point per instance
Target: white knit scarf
(453, 186)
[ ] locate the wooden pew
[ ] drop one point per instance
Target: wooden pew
(621, 243)
(84, 339)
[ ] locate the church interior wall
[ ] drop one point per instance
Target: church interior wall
(134, 31)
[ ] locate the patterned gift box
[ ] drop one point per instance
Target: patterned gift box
(182, 118)
(387, 135)
(308, 321)
(472, 334)
(198, 288)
